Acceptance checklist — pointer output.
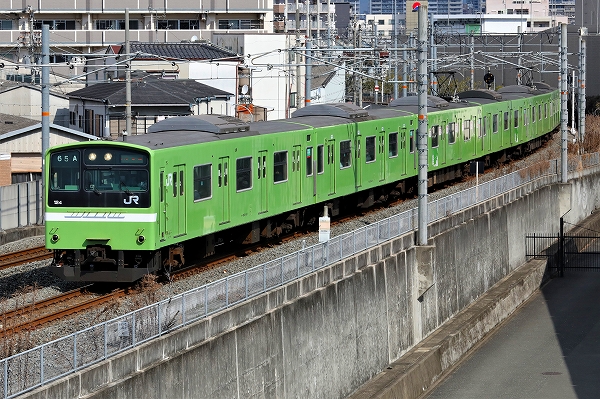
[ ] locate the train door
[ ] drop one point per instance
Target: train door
(331, 169)
(179, 225)
(357, 163)
(162, 217)
(296, 179)
(261, 180)
(381, 149)
(402, 153)
(223, 189)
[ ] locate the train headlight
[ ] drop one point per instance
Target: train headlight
(141, 239)
(107, 156)
(92, 156)
(55, 237)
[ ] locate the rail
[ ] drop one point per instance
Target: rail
(43, 364)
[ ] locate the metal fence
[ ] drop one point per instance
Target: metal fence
(21, 205)
(48, 362)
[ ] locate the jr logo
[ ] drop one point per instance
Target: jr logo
(132, 198)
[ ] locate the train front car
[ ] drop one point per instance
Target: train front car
(100, 222)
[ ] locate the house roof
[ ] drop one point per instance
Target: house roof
(11, 126)
(180, 51)
(150, 91)
(322, 75)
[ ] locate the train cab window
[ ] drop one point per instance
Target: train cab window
(320, 159)
(243, 173)
(467, 129)
(309, 161)
(370, 150)
(435, 135)
(393, 145)
(279, 166)
(506, 121)
(495, 123)
(516, 118)
(64, 171)
(345, 154)
(451, 132)
(412, 141)
(202, 182)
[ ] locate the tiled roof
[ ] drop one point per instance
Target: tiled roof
(321, 75)
(8, 123)
(180, 51)
(149, 91)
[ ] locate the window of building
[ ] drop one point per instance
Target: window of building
(393, 145)
(345, 154)
(243, 170)
(370, 150)
(59, 24)
(279, 166)
(5, 24)
(241, 24)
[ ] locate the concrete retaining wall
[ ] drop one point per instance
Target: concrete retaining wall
(327, 334)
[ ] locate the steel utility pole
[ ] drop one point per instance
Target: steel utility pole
(45, 99)
(422, 125)
(563, 101)
(127, 79)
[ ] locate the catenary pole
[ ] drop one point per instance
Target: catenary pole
(422, 124)
(45, 98)
(563, 101)
(582, 70)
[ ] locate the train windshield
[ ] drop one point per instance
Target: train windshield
(99, 176)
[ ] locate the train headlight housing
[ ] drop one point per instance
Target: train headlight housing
(92, 156)
(141, 239)
(55, 237)
(107, 156)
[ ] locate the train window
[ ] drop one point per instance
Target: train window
(202, 182)
(175, 184)
(279, 166)
(506, 120)
(64, 171)
(243, 170)
(345, 154)
(412, 141)
(320, 159)
(545, 110)
(516, 118)
(540, 112)
(495, 123)
(181, 181)
(451, 132)
(309, 161)
(533, 114)
(162, 186)
(370, 149)
(525, 118)
(483, 126)
(467, 129)
(435, 132)
(393, 145)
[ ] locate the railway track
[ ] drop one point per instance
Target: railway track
(36, 314)
(25, 256)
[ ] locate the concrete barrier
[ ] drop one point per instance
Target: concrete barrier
(400, 306)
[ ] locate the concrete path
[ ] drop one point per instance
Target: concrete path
(549, 349)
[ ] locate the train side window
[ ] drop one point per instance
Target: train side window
(243, 170)
(202, 182)
(162, 186)
(370, 149)
(506, 120)
(412, 141)
(495, 123)
(174, 184)
(545, 110)
(533, 114)
(467, 129)
(181, 180)
(435, 134)
(540, 112)
(451, 131)
(345, 154)
(516, 118)
(393, 145)
(483, 124)
(309, 165)
(525, 118)
(320, 159)
(279, 166)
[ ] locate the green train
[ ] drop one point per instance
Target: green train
(116, 211)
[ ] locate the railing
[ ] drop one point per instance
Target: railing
(48, 362)
(21, 205)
